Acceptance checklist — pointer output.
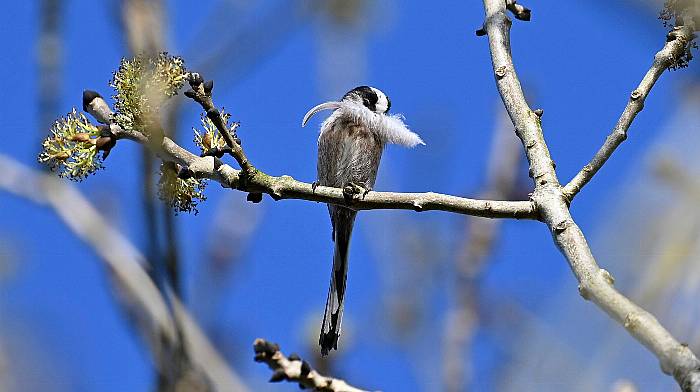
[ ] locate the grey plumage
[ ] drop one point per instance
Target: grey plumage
(347, 153)
(349, 150)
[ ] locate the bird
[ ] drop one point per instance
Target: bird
(350, 146)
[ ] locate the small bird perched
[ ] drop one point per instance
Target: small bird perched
(349, 149)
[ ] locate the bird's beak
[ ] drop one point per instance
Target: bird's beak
(324, 106)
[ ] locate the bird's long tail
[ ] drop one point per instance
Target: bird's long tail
(343, 220)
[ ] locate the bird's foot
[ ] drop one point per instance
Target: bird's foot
(352, 191)
(314, 185)
(367, 190)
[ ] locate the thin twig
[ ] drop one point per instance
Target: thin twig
(595, 284)
(294, 369)
(519, 11)
(676, 45)
(201, 93)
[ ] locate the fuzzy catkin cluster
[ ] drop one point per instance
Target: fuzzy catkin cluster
(142, 85)
(209, 140)
(71, 148)
(182, 195)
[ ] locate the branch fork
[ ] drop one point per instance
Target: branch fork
(552, 201)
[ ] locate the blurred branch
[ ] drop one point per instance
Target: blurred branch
(143, 23)
(671, 173)
(49, 59)
(294, 369)
(171, 253)
(677, 45)
(595, 284)
(481, 234)
(225, 244)
(124, 263)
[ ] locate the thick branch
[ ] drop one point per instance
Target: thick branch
(294, 369)
(676, 45)
(595, 283)
(527, 123)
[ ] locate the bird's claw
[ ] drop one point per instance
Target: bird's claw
(314, 185)
(352, 191)
(367, 190)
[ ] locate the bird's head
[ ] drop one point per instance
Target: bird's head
(371, 98)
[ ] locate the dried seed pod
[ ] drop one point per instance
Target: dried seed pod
(206, 141)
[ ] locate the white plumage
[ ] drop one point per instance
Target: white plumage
(390, 128)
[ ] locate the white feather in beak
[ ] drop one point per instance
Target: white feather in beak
(324, 106)
(389, 127)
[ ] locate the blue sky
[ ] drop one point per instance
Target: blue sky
(577, 60)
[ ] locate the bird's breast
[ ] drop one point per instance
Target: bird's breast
(348, 152)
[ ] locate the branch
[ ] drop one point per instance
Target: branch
(124, 263)
(249, 179)
(50, 57)
(200, 92)
(519, 11)
(595, 284)
(527, 123)
(676, 46)
(285, 187)
(294, 369)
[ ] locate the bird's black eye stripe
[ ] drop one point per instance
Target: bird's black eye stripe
(368, 96)
(369, 104)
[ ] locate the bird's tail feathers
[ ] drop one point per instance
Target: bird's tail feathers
(332, 317)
